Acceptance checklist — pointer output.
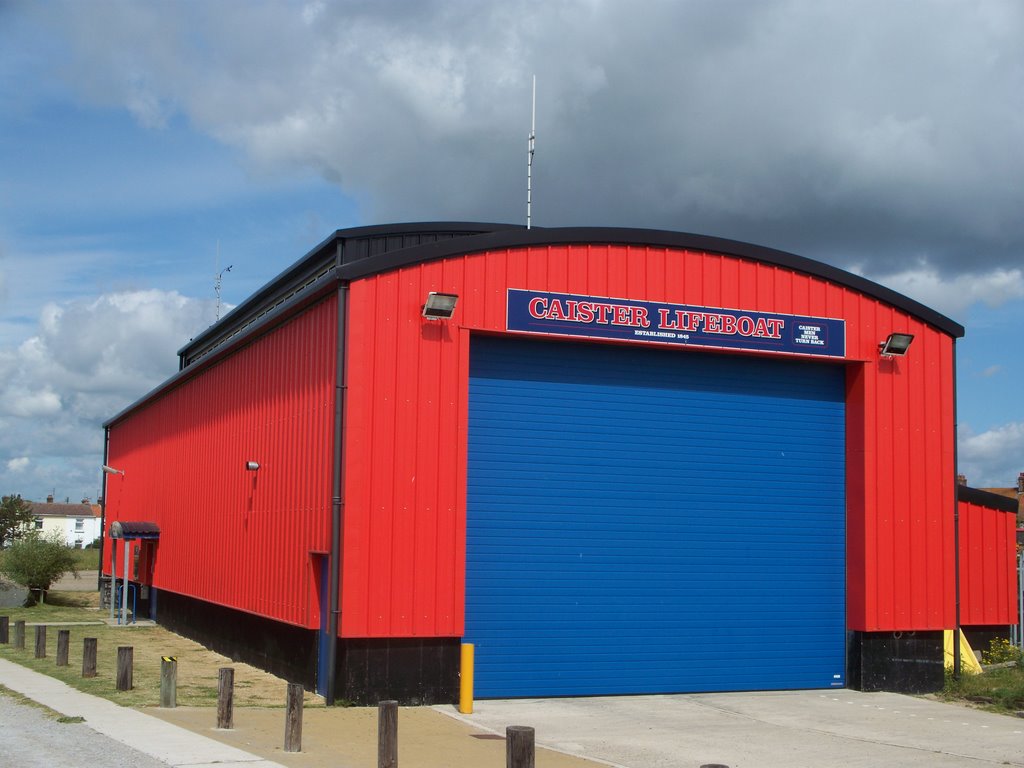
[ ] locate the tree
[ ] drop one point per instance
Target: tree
(15, 518)
(37, 561)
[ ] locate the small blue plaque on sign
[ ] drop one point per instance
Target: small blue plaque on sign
(566, 314)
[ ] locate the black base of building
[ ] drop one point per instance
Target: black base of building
(281, 649)
(369, 670)
(900, 662)
(411, 671)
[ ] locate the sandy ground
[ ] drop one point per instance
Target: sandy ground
(347, 737)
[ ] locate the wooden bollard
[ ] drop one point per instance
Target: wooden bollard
(40, 641)
(226, 698)
(19, 633)
(63, 641)
(89, 657)
(293, 718)
(168, 682)
(387, 734)
(125, 662)
(519, 746)
(5, 630)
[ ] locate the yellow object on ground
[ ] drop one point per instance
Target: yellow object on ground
(968, 661)
(466, 680)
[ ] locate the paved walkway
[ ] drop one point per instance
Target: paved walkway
(787, 729)
(154, 738)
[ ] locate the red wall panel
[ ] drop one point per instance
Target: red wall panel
(405, 439)
(988, 565)
(237, 538)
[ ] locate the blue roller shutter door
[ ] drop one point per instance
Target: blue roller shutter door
(650, 521)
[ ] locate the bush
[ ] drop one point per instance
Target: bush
(37, 561)
(1000, 650)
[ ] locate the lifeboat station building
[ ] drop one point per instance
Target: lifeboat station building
(617, 461)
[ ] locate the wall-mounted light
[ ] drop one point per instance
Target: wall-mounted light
(896, 345)
(439, 306)
(111, 471)
(252, 466)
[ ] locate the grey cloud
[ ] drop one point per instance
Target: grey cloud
(848, 132)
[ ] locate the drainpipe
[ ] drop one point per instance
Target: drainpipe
(338, 483)
(103, 512)
(956, 530)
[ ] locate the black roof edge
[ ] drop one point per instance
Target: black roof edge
(323, 251)
(986, 499)
(514, 237)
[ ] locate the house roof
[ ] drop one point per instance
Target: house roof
(46, 509)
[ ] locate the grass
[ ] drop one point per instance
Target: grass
(997, 689)
(197, 667)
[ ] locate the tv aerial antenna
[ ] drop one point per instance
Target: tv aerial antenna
(530, 147)
(218, 279)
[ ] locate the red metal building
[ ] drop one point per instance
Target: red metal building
(629, 461)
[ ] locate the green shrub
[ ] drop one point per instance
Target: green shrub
(37, 561)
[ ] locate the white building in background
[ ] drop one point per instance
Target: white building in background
(78, 524)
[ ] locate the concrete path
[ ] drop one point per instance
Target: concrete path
(34, 739)
(790, 729)
(86, 581)
(162, 741)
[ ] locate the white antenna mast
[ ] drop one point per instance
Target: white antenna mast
(531, 143)
(218, 279)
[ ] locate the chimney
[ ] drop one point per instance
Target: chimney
(49, 498)
(1020, 483)
(961, 479)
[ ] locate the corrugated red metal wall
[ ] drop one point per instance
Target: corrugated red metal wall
(988, 565)
(404, 546)
(229, 536)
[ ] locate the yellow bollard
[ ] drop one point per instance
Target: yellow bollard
(466, 680)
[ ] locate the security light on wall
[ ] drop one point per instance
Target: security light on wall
(896, 345)
(440, 306)
(111, 471)
(252, 466)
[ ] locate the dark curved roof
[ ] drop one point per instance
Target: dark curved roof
(359, 252)
(351, 254)
(986, 499)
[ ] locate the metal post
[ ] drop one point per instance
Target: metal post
(113, 578)
(124, 586)
(466, 680)
(1020, 600)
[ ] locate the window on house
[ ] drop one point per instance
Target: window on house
(79, 524)
(39, 523)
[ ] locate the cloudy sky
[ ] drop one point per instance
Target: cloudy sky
(146, 145)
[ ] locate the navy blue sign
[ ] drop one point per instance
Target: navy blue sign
(566, 314)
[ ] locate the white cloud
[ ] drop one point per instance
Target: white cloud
(992, 459)
(87, 360)
(953, 295)
(991, 371)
